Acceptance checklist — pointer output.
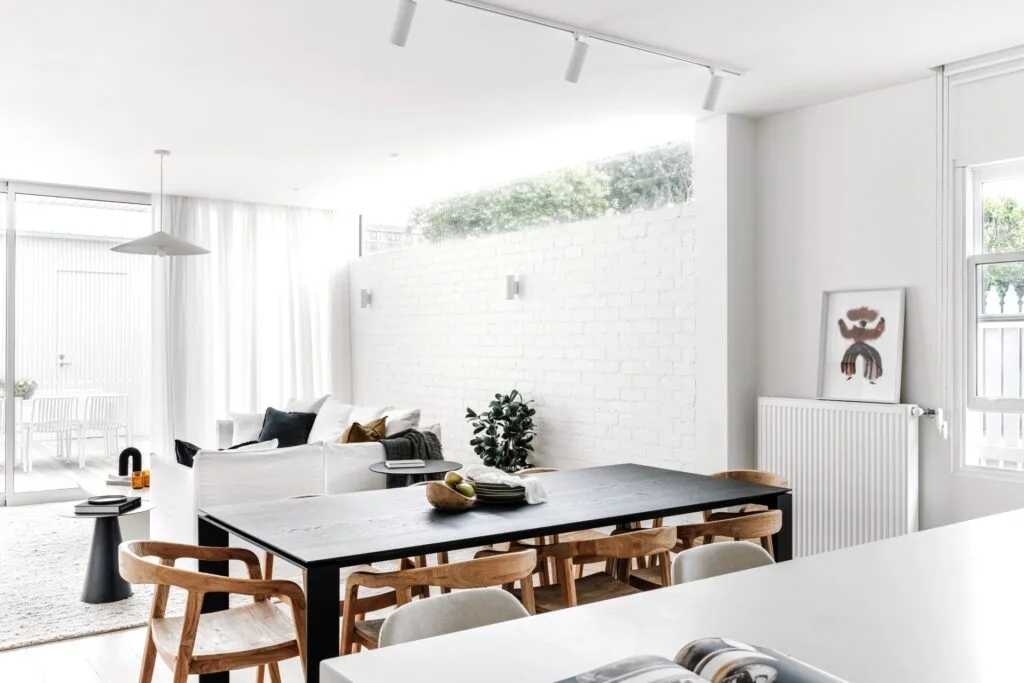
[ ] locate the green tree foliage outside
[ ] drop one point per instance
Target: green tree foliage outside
(638, 181)
(1003, 232)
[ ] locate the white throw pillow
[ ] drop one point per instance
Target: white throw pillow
(401, 420)
(331, 421)
(260, 446)
(434, 429)
(307, 404)
(364, 414)
(245, 427)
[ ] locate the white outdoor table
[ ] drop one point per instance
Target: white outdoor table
(939, 605)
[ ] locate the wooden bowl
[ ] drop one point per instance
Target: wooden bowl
(444, 498)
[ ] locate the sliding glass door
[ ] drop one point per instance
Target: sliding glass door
(77, 356)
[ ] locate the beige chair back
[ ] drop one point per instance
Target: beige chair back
(450, 613)
(716, 559)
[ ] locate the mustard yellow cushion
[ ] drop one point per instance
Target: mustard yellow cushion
(371, 431)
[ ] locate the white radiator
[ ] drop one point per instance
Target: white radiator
(852, 467)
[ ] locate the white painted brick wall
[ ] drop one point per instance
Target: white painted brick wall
(602, 336)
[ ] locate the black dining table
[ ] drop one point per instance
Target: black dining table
(323, 534)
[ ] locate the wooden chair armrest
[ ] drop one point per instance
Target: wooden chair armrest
(179, 551)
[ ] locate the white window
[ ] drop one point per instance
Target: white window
(993, 204)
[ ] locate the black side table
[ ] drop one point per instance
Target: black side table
(103, 582)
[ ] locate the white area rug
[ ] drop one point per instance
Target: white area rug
(42, 565)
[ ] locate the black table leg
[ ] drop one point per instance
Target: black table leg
(323, 625)
(213, 602)
(103, 582)
(783, 541)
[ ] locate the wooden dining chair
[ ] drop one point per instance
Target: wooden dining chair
(749, 476)
(621, 548)
(503, 569)
(240, 637)
(755, 526)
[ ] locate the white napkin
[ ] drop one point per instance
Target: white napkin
(491, 475)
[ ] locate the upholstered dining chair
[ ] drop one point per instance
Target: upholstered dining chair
(252, 635)
(443, 614)
(755, 526)
(502, 570)
(716, 559)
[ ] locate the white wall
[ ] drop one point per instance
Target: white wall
(846, 195)
(724, 159)
(602, 336)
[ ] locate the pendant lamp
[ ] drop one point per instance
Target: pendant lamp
(161, 243)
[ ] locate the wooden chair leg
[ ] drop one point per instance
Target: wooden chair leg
(526, 594)
(768, 545)
(275, 673)
(148, 659)
(259, 673)
(442, 558)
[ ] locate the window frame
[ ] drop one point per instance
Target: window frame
(973, 215)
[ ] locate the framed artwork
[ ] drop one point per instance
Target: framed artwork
(861, 355)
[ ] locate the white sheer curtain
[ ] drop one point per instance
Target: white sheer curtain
(250, 325)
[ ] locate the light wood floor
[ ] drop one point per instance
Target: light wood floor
(106, 658)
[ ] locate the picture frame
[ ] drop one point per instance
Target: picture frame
(856, 361)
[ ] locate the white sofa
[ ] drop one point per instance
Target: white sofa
(234, 477)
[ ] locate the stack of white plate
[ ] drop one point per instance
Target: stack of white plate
(499, 494)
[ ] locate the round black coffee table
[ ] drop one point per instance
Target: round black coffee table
(103, 582)
(429, 467)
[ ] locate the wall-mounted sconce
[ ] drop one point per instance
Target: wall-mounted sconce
(511, 287)
(364, 298)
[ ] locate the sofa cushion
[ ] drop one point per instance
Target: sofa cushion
(185, 452)
(289, 428)
(361, 433)
(308, 404)
(348, 467)
(401, 420)
(246, 426)
(366, 414)
(331, 421)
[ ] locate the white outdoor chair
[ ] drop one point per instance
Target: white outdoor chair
(57, 415)
(716, 559)
(458, 611)
(107, 415)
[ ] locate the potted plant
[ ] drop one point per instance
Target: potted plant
(502, 434)
(23, 388)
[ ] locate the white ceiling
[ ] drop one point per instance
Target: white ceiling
(257, 97)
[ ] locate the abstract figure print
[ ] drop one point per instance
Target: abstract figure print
(860, 333)
(861, 353)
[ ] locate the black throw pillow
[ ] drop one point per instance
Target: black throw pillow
(185, 452)
(290, 429)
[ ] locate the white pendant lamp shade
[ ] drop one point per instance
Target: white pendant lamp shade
(161, 243)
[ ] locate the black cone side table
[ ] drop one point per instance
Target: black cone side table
(103, 582)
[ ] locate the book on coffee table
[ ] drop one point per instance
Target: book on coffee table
(86, 508)
(708, 659)
(399, 464)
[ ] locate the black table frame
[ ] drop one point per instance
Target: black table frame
(323, 590)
